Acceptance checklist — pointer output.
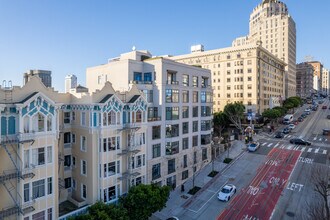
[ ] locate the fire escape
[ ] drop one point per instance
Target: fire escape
(131, 149)
(10, 178)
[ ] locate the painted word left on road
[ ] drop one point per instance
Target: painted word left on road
(294, 186)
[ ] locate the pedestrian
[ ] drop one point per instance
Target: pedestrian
(182, 188)
(173, 186)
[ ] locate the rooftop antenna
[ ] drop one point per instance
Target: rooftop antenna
(308, 58)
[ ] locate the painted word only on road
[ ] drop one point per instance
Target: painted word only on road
(277, 181)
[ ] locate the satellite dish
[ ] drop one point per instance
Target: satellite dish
(133, 48)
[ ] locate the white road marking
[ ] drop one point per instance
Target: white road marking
(315, 138)
(196, 211)
(269, 145)
(285, 136)
(264, 144)
(289, 147)
(320, 139)
(309, 150)
(324, 152)
(276, 145)
(317, 150)
(326, 140)
(303, 149)
(283, 146)
(296, 148)
(289, 136)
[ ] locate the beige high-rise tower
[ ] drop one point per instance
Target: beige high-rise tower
(271, 23)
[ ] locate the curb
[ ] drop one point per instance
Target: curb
(191, 199)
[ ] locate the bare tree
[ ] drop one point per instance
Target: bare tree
(317, 207)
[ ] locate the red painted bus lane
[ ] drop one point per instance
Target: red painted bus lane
(258, 200)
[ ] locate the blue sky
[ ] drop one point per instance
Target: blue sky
(66, 36)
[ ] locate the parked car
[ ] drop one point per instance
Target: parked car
(172, 218)
(304, 115)
(279, 135)
(253, 146)
(326, 131)
(295, 122)
(291, 126)
(286, 130)
(300, 119)
(324, 107)
(299, 141)
(227, 192)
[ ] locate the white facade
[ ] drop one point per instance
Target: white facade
(179, 111)
(325, 81)
(70, 82)
(316, 83)
(271, 23)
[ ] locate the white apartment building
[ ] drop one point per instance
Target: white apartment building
(59, 147)
(325, 81)
(28, 151)
(249, 74)
(271, 23)
(179, 112)
(70, 82)
(61, 150)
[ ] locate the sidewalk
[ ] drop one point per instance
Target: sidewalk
(179, 201)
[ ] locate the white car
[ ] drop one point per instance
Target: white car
(227, 192)
(253, 146)
(292, 126)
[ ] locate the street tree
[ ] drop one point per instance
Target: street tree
(288, 105)
(235, 113)
(271, 114)
(282, 110)
(220, 121)
(317, 205)
(101, 210)
(299, 99)
(143, 200)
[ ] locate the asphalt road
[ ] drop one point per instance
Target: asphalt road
(272, 183)
(283, 189)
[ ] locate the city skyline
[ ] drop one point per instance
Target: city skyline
(55, 41)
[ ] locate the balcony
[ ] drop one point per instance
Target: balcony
(128, 126)
(128, 174)
(154, 119)
(17, 138)
(206, 87)
(172, 82)
(140, 82)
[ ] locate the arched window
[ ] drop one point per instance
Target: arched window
(41, 122)
(26, 124)
(104, 119)
(111, 118)
(49, 123)
(138, 116)
(133, 116)
(118, 117)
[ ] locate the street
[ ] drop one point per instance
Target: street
(272, 183)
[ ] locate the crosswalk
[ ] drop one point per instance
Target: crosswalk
(287, 146)
(314, 138)
(319, 138)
